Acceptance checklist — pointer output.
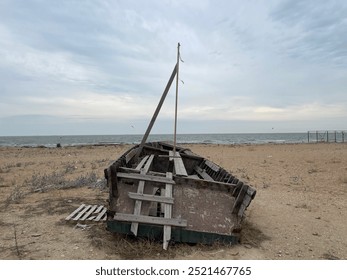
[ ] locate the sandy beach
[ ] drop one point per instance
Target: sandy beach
(299, 211)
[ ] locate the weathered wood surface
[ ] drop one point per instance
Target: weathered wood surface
(146, 177)
(130, 155)
(140, 188)
(88, 213)
(132, 170)
(178, 164)
(141, 163)
(149, 197)
(203, 173)
(138, 203)
(81, 212)
(101, 215)
(212, 165)
(150, 220)
(167, 213)
(205, 209)
(75, 212)
(206, 204)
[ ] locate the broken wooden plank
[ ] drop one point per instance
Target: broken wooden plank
(151, 197)
(167, 213)
(89, 212)
(145, 177)
(75, 212)
(79, 215)
(149, 220)
(203, 173)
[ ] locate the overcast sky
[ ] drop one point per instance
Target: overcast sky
(100, 67)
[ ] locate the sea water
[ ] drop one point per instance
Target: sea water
(73, 140)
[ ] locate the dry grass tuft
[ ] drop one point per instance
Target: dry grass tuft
(55, 180)
(132, 248)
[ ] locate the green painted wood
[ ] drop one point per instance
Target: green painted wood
(177, 234)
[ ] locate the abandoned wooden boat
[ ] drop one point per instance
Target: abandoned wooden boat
(159, 190)
(180, 197)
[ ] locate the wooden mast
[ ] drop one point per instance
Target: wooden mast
(176, 101)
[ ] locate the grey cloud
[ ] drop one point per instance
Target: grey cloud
(272, 54)
(316, 30)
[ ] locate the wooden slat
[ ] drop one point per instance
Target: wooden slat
(99, 209)
(79, 215)
(89, 212)
(150, 197)
(203, 173)
(101, 214)
(138, 203)
(132, 170)
(146, 177)
(140, 188)
(75, 212)
(212, 165)
(149, 163)
(179, 165)
(167, 213)
(142, 162)
(150, 220)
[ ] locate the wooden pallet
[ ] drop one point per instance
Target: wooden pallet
(88, 213)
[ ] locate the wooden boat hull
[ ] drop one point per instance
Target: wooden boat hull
(183, 197)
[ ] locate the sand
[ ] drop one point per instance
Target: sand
(299, 211)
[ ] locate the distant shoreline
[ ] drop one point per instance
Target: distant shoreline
(105, 145)
(182, 139)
